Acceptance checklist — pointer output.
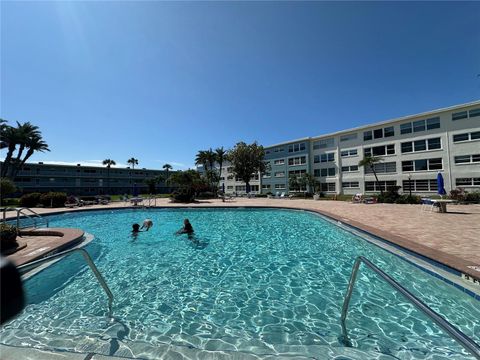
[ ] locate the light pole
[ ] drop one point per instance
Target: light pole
(410, 185)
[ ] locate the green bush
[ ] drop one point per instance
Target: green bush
(185, 195)
(407, 199)
(53, 199)
(458, 194)
(30, 200)
(473, 197)
(7, 187)
(11, 201)
(205, 195)
(390, 196)
(8, 235)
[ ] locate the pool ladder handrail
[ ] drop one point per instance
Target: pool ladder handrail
(31, 265)
(470, 345)
(21, 212)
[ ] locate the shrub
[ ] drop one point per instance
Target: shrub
(205, 195)
(30, 200)
(183, 196)
(7, 187)
(88, 198)
(8, 235)
(407, 199)
(390, 196)
(473, 197)
(53, 199)
(11, 202)
(458, 194)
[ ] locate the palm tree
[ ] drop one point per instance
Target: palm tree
(211, 157)
(133, 162)
(9, 141)
(167, 168)
(220, 154)
(201, 159)
(33, 144)
(370, 161)
(108, 163)
(24, 133)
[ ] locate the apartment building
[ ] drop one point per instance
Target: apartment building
(233, 185)
(85, 180)
(414, 149)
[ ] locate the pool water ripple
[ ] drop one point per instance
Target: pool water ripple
(259, 282)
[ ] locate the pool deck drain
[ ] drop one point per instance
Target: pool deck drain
(451, 239)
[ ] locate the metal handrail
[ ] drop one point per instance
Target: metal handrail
(34, 217)
(470, 345)
(90, 263)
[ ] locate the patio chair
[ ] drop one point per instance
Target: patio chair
(357, 198)
(429, 204)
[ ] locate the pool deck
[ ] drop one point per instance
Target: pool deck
(451, 238)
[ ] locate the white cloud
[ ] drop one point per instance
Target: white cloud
(176, 164)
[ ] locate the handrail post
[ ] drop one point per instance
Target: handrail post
(90, 263)
(468, 344)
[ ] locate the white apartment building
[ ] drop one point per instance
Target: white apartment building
(414, 149)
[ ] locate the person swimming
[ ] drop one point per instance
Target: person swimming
(187, 228)
(147, 224)
(135, 228)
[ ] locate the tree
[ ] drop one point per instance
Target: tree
(246, 161)
(370, 161)
(132, 161)
(167, 167)
(201, 159)
(108, 163)
(7, 187)
(220, 154)
(188, 182)
(211, 157)
(293, 184)
(310, 180)
(152, 183)
(25, 136)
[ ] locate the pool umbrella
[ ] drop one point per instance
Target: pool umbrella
(223, 188)
(440, 185)
(247, 188)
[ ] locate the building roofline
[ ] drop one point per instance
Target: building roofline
(381, 123)
(86, 166)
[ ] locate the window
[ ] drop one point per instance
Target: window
(429, 185)
(468, 181)
(422, 165)
(316, 159)
(328, 172)
(279, 186)
(421, 145)
(322, 144)
(279, 162)
(377, 133)
(348, 137)
(240, 188)
(350, 185)
(389, 131)
(419, 126)
(467, 136)
(348, 153)
(316, 172)
(296, 147)
(230, 187)
(384, 185)
(302, 160)
(467, 159)
(327, 187)
(279, 149)
(382, 168)
(297, 173)
(327, 157)
(459, 115)
(433, 123)
(265, 186)
(267, 175)
(367, 135)
(380, 150)
(474, 112)
(280, 174)
(406, 128)
(350, 168)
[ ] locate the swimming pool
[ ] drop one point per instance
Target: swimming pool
(259, 283)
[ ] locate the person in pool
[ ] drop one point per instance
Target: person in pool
(147, 224)
(135, 229)
(187, 228)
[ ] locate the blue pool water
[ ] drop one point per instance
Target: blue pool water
(258, 283)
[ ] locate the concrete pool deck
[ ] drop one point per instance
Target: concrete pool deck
(451, 238)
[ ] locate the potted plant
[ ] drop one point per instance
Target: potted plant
(8, 237)
(316, 196)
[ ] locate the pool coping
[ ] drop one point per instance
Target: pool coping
(450, 263)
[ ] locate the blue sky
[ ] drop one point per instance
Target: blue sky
(160, 81)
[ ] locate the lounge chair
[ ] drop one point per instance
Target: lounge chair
(429, 204)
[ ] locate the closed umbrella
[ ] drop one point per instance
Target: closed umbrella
(440, 185)
(135, 190)
(223, 188)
